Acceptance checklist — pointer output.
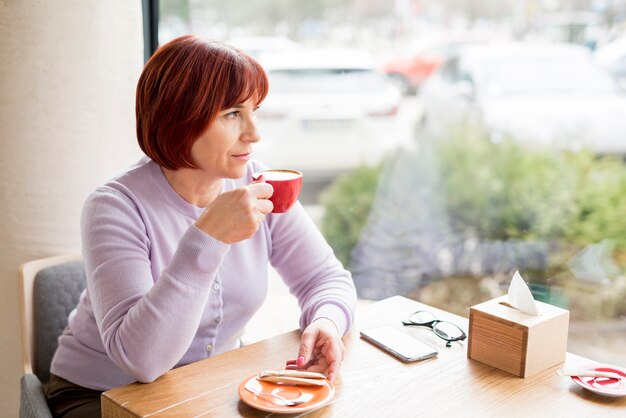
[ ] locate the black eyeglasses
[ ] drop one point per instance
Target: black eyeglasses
(443, 329)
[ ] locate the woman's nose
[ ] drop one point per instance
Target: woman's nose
(251, 131)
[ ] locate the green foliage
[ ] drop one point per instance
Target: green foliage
(508, 190)
(347, 203)
(502, 191)
(601, 203)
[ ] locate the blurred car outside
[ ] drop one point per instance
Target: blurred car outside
(327, 112)
(259, 45)
(612, 56)
(579, 27)
(550, 94)
(411, 69)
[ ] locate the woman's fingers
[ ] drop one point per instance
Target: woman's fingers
(265, 206)
(236, 215)
(321, 349)
(261, 190)
(334, 356)
(307, 343)
(317, 364)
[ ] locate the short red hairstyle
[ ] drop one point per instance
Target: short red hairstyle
(183, 87)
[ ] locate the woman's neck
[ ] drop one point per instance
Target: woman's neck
(192, 186)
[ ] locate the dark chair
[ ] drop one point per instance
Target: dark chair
(49, 291)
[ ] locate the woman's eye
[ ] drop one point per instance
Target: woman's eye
(233, 114)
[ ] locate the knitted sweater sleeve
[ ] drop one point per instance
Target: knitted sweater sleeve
(145, 326)
(310, 269)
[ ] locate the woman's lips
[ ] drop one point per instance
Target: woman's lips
(243, 157)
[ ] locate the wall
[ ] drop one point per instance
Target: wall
(68, 71)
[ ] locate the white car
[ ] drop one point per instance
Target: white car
(327, 112)
(550, 94)
(612, 56)
(259, 45)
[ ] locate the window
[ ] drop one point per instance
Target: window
(437, 195)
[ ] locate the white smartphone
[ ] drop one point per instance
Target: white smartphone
(398, 343)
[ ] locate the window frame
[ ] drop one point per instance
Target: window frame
(150, 9)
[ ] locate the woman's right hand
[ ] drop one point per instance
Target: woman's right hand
(236, 215)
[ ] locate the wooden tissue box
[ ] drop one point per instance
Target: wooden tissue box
(504, 337)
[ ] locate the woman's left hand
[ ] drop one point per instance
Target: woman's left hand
(321, 349)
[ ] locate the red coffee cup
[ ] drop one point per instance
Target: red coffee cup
(286, 184)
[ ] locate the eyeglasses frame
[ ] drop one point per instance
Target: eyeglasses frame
(432, 324)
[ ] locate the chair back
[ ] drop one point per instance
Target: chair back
(49, 290)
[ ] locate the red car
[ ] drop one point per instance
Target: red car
(409, 72)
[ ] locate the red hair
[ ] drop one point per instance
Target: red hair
(183, 87)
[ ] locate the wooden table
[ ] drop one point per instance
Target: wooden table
(372, 383)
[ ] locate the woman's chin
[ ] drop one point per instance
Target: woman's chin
(238, 173)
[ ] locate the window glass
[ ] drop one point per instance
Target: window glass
(438, 189)
(514, 76)
(330, 79)
(450, 70)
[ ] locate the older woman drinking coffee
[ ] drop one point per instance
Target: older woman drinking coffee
(176, 247)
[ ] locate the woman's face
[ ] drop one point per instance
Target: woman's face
(224, 148)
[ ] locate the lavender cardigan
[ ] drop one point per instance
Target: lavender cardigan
(161, 293)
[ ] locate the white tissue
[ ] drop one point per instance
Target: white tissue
(520, 296)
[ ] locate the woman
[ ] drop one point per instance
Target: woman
(176, 247)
